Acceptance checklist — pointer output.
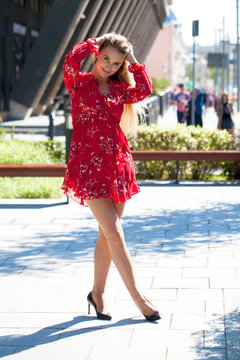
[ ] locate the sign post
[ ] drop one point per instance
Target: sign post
(238, 60)
(195, 32)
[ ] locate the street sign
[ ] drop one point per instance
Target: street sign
(195, 28)
(217, 60)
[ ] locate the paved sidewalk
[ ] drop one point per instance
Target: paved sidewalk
(184, 241)
(35, 128)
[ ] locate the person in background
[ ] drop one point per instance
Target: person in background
(182, 99)
(216, 101)
(198, 105)
(188, 109)
(224, 110)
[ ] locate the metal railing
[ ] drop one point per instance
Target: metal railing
(157, 105)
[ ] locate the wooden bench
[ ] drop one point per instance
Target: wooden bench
(58, 170)
(194, 155)
(33, 170)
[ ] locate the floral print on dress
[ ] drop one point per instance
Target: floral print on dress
(100, 163)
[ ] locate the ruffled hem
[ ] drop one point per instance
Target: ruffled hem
(135, 67)
(115, 195)
(93, 46)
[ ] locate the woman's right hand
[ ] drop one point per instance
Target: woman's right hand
(100, 40)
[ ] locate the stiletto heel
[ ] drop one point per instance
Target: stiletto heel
(102, 316)
(155, 316)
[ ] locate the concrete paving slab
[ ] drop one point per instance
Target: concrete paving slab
(112, 353)
(184, 241)
(47, 351)
(196, 354)
(170, 338)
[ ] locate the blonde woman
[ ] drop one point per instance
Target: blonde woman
(100, 172)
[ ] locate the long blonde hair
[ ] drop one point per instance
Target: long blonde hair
(133, 113)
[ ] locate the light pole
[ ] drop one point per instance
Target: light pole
(195, 32)
(223, 51)
(238, 60)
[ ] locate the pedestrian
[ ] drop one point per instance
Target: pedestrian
(198, 106)
(100, 171)
(224, 110)
(182, 99)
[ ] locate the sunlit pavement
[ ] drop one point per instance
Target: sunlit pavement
(184, 242)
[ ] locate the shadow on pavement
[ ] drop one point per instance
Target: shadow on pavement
(13, 344)
(216, 336)
(173, 233)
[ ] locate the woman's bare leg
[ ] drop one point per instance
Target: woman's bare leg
(102, 262)
(108, 219)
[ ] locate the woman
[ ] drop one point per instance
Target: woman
(100, 172)
(224, 114)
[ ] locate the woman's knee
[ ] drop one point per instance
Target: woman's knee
(114, 235)
(108, 219)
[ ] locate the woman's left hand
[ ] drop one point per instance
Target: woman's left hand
(130, 57)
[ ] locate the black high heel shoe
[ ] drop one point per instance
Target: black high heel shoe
(102, 316)
(154, 317)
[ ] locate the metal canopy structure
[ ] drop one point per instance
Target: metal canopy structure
(68, 23)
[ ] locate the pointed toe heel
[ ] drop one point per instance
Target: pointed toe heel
(101, 316)
(154, 317)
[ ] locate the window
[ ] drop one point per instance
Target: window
(46, 8)
(20, 2)
(18, 45)
(34, 6)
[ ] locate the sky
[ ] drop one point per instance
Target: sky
(210, 14)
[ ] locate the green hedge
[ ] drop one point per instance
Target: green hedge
(183, 138)
(159, 85)
(149, 138)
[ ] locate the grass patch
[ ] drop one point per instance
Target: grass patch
(23, 152)
(30, 188)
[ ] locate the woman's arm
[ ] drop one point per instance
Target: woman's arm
(143, 84)
(73, 60)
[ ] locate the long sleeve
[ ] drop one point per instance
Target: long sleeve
(73, 60)
(143, 85)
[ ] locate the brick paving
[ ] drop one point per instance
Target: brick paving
(184, 242)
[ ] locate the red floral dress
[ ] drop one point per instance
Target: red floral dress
(100, 163)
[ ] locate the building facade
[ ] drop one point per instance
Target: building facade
(20, 24)
(36, 35)
(166, 58)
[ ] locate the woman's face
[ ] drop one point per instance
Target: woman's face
(109, 61)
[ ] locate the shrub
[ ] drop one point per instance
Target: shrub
(179, 138)
(159, 85)
(231, 169)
